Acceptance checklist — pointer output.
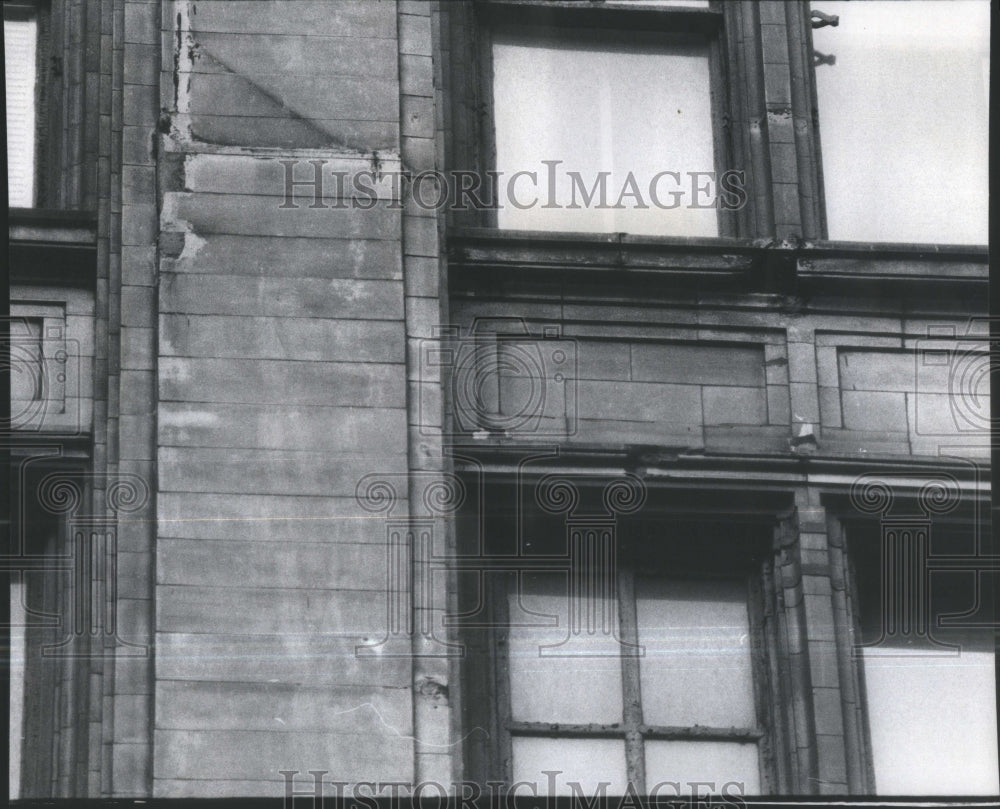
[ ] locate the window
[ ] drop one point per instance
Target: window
(41, 681)
(931, 704)
(690, 712)
(20, 34)
(903, 99)
(606, 123)
(575, 694)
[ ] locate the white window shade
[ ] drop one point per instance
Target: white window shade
(687, 763)
(933, 722)
(625, 104)
(697, 665)
(903, 117)
(581, 765)
(579, 689)
(697, 670)
(20, 44)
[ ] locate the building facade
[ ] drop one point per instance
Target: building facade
(426, 392)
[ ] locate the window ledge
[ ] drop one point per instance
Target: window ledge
(46, 226)
(757, 265)
(482, 248)
(847, 266)
(51, 247)
(678, 466)
(928, 250)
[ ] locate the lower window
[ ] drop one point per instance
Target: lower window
(672, 701)
(929, 675)
(642, 670)
(40, 680)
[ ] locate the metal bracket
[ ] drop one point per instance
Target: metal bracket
(821, 20)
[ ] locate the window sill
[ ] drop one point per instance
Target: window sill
(741, 264)
(673, 467)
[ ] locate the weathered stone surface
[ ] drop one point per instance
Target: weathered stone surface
(246, 755)
(280, 382)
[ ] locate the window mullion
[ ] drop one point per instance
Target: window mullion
(807, 145)
(503, 763)
(758, 658)
(758, 158)
(848, 632)
(566, 730)
(721, 128)
(484, 110)
(780, 735)
(701, 733)
(632, 696)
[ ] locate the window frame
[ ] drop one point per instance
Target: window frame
(816, 145)
(847, 530)
(524, 15)
(775, 685)
(633, 730)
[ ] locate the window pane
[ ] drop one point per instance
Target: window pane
(18, 619)
(696, 670)
(603, 102)
(583, 688)
(585, 761)
(931, 702)
(903, 117)
(933, 722)
(720, 763)
(19, 61)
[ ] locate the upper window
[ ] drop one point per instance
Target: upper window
(903, 98)
(603, 125)
(20, 34)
